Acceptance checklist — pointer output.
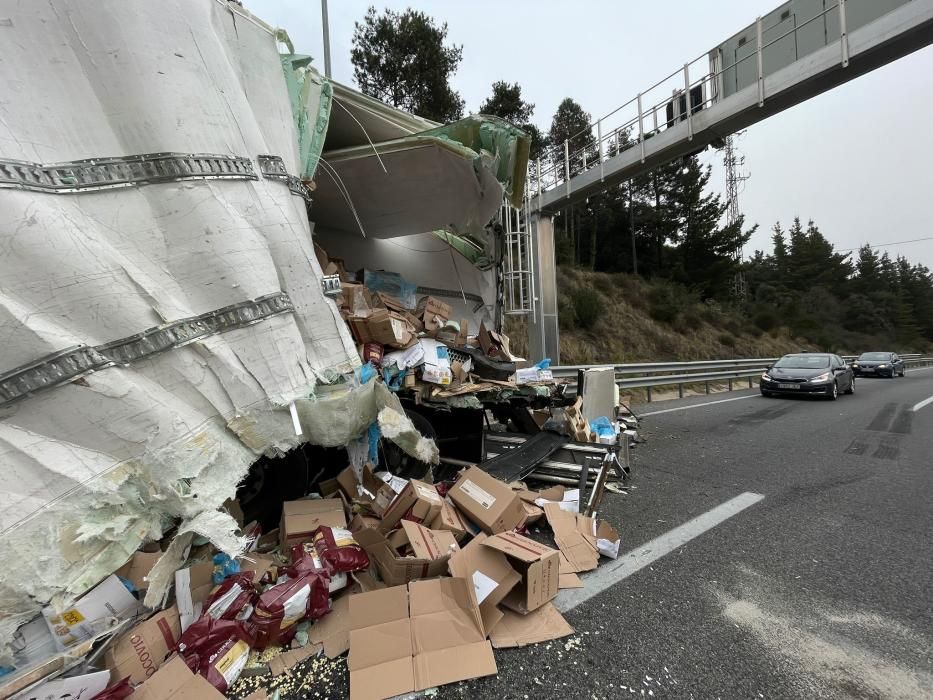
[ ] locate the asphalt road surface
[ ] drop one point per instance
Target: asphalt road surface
(778, 548)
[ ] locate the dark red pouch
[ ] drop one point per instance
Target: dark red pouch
(338, 550)
(217, 649)
(284, 605)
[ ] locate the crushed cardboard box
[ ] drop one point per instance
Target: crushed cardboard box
(333, 630)
(492, 577)
(542, 625)
(410, 638)
(394, 568)
(422, 543)
(537, 564)
(449, 518)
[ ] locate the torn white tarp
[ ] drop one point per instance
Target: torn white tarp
(168, 423)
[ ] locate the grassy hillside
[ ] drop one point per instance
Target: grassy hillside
(615, 318)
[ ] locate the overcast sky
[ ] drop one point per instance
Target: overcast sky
(857, 160)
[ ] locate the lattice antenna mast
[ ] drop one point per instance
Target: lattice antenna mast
(735, 176)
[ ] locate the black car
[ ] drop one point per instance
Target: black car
(879, 364)
(808, 373)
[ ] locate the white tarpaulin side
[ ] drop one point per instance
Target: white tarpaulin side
(91, 468)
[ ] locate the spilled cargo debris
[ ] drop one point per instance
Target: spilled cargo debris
(234, 423)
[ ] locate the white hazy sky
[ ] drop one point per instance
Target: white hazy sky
(857, 160)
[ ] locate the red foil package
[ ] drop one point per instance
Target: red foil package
(217, 649)
(305, 558)
(233, 600)
(338, 550)
(282, 607)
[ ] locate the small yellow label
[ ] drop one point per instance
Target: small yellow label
(231, 657)
(72, 617)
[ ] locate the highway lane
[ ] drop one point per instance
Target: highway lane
(820, 589)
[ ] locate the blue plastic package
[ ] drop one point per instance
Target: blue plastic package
(391, 283)
(224, 566)
(603, 427)
(367, 372)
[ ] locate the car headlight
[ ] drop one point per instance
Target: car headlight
(766, 377)
(855, 364)
(822, 377)
(884, 366)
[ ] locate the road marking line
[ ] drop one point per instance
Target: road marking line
(925, 402)
(627, 564)
(698, 405)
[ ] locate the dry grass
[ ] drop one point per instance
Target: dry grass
(626, 331)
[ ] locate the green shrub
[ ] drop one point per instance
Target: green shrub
(692, 320)
(727, 339)
(587, 307)
(664, 304)
(565, 313)
(765, 320)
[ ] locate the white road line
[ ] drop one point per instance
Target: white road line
(698, 405)
(627, 564)
(925, 402)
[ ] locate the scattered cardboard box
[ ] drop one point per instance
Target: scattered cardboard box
(486, 501)
(418, 502)
(259, 564)
(394, 568)
(425, 543)
(449, 518)
(175, 681)
(138, 567)
(192, 586)
(406, 639)
(333, 630)
(139, 652)
(382, 326)
(372, 492)
(541, 625)
(580, 554)
(301, 518)
(288, 660)
(566, 576)
(492, 577)
(433, 313)
(493, 344)
(363, 521)
(537, 564)
(532, 513)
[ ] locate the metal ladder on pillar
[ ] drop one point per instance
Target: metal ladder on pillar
(517, 268)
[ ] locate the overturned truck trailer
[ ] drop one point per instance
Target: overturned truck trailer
(165, 170)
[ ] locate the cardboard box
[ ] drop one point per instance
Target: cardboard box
(361, 522)
(394, 568)
(90, 613)
(418, 502)
(406, 639)
(139, 652)
(301, 518)
(423, 543)
(382, 326)
(492, 577)
(192, 586)
(538, 566)
(433, 313)
(449, 518)
(486, 501)
(175, 681)
(494, 345)
(532, 512)
(376, 495)
(333, 630)
(137, 569)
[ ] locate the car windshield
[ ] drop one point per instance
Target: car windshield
(873, 356)
(803, 362)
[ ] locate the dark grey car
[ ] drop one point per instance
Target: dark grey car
(879, 364)
(808, 373)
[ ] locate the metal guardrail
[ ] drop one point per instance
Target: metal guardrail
(646, 375)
